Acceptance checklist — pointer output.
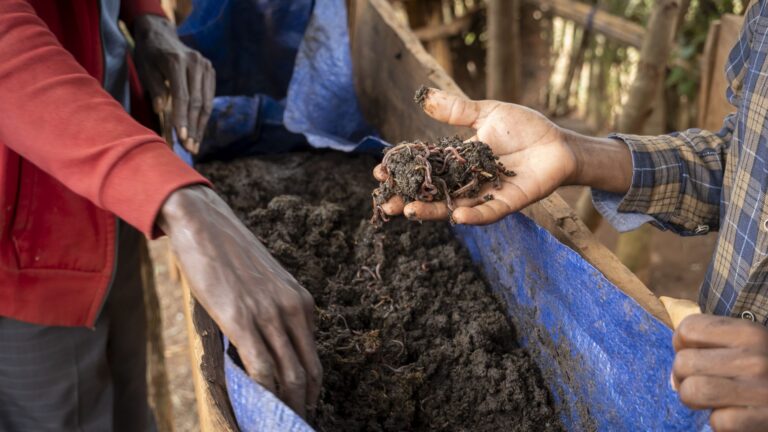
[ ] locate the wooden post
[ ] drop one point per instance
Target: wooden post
(651, 66)
(633, 248)
(429, 13)
(503, 62)
(575, 63)
(535, 52)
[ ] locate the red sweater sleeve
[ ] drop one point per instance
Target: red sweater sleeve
(59, 118)
(131, 9)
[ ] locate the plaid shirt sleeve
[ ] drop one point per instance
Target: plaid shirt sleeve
(677, 178)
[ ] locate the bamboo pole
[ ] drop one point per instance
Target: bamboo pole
(562, 104)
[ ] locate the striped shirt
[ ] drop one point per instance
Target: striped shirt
(698, 181)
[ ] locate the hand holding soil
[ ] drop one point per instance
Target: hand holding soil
(524, 141)
(444, 171)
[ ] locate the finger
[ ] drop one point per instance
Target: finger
(300, 329)
(702, 392)
(195, 71)
(379, 173)
(710, 331)
(155, 85)
(436, 210)
(482, 214)
(426, 211)
(719, 362)
(180, 96)
(739, 419)
(291, 375)
(394, 206)
(209, 91)
(257, 359)
(455, 110)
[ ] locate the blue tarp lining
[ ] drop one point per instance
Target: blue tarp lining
(604, 358)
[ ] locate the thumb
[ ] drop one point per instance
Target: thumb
(453, 109)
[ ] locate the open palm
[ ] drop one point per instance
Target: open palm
(525, 141)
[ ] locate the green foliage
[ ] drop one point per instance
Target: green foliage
(684, 73)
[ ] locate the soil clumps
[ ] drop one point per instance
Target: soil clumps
(435, 171)
(408, 333)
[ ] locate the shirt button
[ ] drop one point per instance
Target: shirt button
(703, 229)
(765, 225)
(748, 315)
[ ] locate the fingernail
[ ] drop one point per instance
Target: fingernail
(183, 133)
(158, 105)
(189, 143)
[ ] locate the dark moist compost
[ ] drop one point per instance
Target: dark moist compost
(409, 335)
(447, 169)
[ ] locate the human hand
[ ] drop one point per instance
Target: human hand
(257, 304)
(175, 73)
(526, 143)
(722, 364)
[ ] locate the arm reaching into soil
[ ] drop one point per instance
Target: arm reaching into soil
(543, 155)
(255, 302)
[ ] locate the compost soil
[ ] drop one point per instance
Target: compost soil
(408, 333)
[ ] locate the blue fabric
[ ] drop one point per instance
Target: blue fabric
(252, 44)
(244, 126)
(608, 205)
(322, 103)
(255, 408)
(605, 360)
(599, 351)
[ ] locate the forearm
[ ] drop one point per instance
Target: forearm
(601, 163)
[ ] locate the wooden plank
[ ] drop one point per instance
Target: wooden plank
(159, 389)
(205, 350)
(612, 26)
(386, 78)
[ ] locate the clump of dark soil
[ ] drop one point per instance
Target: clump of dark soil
(444, 170)
(409, 336)
(420, 96)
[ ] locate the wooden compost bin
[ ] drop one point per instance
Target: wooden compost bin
(389, 63)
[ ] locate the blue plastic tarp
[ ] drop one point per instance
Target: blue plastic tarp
(605, 359)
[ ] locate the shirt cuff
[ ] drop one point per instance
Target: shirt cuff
(608, 205)
(136, 188)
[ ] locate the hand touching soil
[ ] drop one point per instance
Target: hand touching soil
(257, 304)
